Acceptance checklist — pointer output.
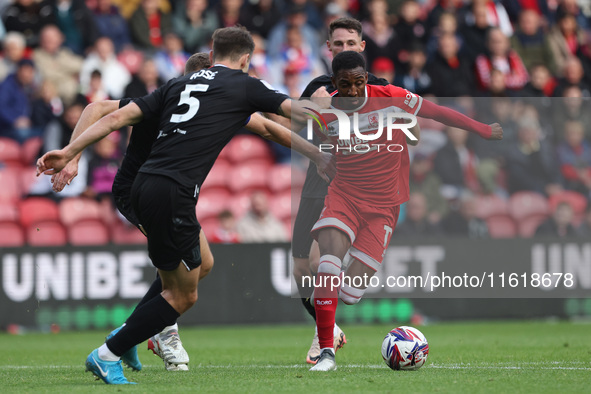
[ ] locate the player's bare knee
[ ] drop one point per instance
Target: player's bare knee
(350, 295)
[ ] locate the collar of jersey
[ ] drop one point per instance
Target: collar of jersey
(354, 109)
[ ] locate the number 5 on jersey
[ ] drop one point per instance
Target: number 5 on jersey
(192, 102)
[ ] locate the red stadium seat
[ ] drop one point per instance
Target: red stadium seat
(209, 227)
(37, 209)
(211, 203)
(244, 148)
(524, 204)
(46, 233)
(30, 150)
(284, 177)
(9, 184)
(248, 177)
(281, 205)
(126, 234)
(218, 176)
(11, 234)
(577, 201)
(529, 225)
(10, 152)
(491, 205)
(501, 226)
(28, 177)
(8, 212)
(88, 232)
(75, 209)
(240, 204)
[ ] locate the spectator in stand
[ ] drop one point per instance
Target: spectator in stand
(115, 76)
(451, 73)
(296, 58)
(102, 168)
(111, 24)
(409, 29)
(58, 132)
(425, 182)
(148, 25)
(229, 12)
(13, 51)
(226, 232)
(170, 61)
(296, 16)
(47, 107)
(260, 66)
(541, 83)
(571, 107)
(145, 82)
(447, 24)
(456, 165)
(76, 21)
(565, 38)
(259, 17)
(572, 76)
(415, 223)
(531, 162)
(382, 67)
(560, 224)
(259, 225)
(195, 24)
(463, 221)
(530, 42)
(380, 38)
(16, 94)
(416, 79)
(500, 56)
(497, 15)
(58, 64)
(574, 156)
(475, 31)
(96, 89)
(584, 229)
(572, 7)
(29, 17)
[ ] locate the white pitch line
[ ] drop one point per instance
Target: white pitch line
(575, 366)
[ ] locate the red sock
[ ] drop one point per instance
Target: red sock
(326, 308)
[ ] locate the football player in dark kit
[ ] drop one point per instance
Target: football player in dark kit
(166, 344)
(344, 34)
(199, 114)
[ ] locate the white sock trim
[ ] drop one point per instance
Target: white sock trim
(105, 354)
(330, 264)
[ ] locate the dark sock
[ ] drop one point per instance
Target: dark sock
(154, 290)
(309, 307)
(146, 321)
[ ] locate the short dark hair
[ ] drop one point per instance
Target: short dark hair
(231, 43)
(351, 24)
(347, 60)
(197, 61)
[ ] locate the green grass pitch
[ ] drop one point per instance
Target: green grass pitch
(495, 357)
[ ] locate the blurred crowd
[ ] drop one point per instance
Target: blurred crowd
(525, 64)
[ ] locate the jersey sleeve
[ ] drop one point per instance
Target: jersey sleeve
(405, 100)
(152, 104)
(124, 101)
(263, 97)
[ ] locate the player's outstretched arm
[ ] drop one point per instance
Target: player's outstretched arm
(55, 161)
(91, 114)
(297, 110)
(281, 135)
(452, 118)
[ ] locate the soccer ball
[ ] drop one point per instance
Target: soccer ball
(405, 348)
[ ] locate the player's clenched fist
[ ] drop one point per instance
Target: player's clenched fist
(52, 162)
(497, 132)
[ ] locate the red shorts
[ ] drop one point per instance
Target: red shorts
(369, 228)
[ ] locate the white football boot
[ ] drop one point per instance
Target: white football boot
(314, 353)
(168, 346)
(326, 361)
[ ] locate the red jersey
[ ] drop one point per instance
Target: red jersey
(376, 171)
